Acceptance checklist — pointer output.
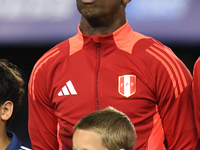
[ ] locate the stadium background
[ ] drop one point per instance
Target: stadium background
(30, 28)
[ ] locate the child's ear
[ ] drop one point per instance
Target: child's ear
(6, 110)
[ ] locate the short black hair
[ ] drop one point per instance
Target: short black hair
(11, 84)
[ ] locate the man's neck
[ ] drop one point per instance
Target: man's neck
(99, 28)
(4, 140)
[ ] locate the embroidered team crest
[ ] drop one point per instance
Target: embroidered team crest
(127, 85)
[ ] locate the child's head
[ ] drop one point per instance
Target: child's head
(11, 89)
(107, 129)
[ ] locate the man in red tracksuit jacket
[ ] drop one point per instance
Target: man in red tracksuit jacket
(196, 93)
(108, 64)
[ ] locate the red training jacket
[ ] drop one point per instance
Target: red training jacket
(126, 70)
(196, 93)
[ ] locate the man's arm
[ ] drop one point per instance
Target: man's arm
(173, 83)
(42, 122)
(176, 106)
(196, 93)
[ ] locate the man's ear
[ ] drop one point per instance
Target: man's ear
(125, 1)
(6, 110)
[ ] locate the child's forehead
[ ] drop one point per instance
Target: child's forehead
(87, 140)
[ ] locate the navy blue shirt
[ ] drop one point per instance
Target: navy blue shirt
(15, 143)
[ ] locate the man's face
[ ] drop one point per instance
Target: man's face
(87, 140)
(94, 9)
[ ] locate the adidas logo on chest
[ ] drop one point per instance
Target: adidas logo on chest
(68, 89)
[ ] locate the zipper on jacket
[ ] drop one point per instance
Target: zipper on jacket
(97, 73)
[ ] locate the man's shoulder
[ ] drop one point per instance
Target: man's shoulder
(62, 50)
(148, 48)
(197, 63)
(158, 56)
(146, 42)
(196, 71)
(55, 54)
(61, 47)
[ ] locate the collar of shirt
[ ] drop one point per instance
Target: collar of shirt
(15, 143)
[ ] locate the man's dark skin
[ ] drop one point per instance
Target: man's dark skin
(101, 17)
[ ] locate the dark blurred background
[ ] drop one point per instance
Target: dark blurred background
(30, 28)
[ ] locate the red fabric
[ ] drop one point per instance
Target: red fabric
(196, 93)
(81, 75)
